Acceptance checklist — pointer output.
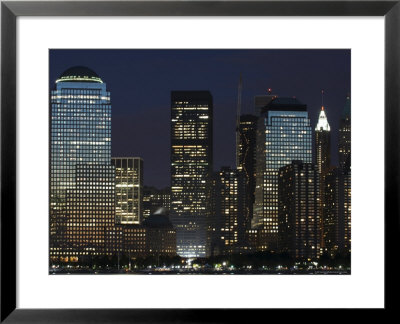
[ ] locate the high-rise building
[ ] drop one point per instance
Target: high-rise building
(246, 154)
(229, 211)
(128, 190)
(191, 170)
(345, 135)
(154, 199)
(90, 208)
(323, 158)
(81, 175)
(284, 134)
(323, 142)
(337, 198)
(299, 210)
(337, 211)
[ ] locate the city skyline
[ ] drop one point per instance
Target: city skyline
(283, 199)
(134, 74)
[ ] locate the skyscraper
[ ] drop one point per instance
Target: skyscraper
(284, 134)
(337, 211)
(323, 142)
(246, 153)
(128, 190)
(191, 170)
(323, 158)
(337, 207)
(345, 135)
(299, 210)
(81, 174)
(230, 210)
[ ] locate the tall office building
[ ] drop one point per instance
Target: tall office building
(345, 135)
(323, 142)
(191, 170)
(337, 210)
(89, 210)
(284, 134)
(229, 211)
(128, 190)
(299, 210)
(323, 158)
(246, 153)
(81, 174)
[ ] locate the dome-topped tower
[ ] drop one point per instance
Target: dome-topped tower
(79, 74)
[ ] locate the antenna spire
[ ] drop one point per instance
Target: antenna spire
(322, 99)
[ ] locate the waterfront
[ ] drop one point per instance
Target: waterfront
(169, 271)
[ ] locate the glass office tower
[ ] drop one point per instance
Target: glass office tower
(284, 134)
(191, 170)
(128, 190)
(81, 174)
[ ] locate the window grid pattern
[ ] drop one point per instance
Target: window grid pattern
(80, 137)
(191, 167)
(299, 210)
(282, 136)
(128, 190)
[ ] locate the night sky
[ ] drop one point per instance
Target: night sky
(140, 82)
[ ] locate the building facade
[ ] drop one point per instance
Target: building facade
(191, 170)
(299, 210)
(230, 211)
(128, 190)
(284, 134)
(155, 237)
(337, 206)
(246, 155)
(337, 212)
(323, 143)
(323, 158)
(345, 135)
(81, 175)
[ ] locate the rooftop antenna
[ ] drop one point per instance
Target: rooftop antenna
(322, 99)
(239, 106)
(269, 91)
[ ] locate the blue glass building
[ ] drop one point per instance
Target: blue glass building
(284, 134)
(82, 188)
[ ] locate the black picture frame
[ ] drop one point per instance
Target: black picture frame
(10, 10)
